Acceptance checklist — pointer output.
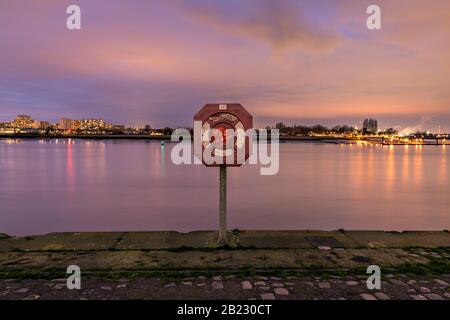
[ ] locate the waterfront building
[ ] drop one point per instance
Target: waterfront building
(6, 128)
(41, 125)
(66, 124)
(93, 125)
(370, 126)
(23, 122)
(117, 128)
(76, 124)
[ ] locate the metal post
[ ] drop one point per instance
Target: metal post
(223, 205)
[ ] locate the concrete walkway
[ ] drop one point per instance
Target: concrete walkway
(248, 250)
(208, 239)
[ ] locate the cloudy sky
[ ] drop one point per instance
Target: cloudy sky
(158, 61)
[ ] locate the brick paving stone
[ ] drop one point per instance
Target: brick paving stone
(217, 285)
(441, 282)
(260, 283)
(367, 296)
(411, 282)
(281, 292)
(351, 283)
(425, 290)
(324, 285)
(418, 297)
(267, 296)
(264, 288)
(381, 296)
(276, 278)
(59, 286)
(246, 285)
(433, 296)
(201, 284)
(397, 282)
(277, 285)
(170, 285)
(339, 282)
(22, 290)
(217, 278)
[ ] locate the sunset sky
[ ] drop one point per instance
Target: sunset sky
(157, 62)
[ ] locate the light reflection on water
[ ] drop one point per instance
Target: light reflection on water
(89, 185)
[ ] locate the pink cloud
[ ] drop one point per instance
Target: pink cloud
(281, 24)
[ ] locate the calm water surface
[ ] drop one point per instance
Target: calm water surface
(81, 185)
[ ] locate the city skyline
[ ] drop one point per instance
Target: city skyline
(29, 125)
(291, 61)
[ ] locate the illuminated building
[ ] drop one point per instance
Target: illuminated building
(66, 124)
(370, 126)
(93, 125)
(6, 128)
(23, 122)
(41, 125)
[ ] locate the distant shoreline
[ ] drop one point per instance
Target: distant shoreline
(152, 138)
(166, 138)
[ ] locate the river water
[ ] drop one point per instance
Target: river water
(123, 185)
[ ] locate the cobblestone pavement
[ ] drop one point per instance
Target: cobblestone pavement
(231, 287)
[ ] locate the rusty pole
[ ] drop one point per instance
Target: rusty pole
(223, 205)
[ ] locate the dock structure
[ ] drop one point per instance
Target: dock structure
(406, 141)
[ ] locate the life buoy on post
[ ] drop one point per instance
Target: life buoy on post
(224, 135)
